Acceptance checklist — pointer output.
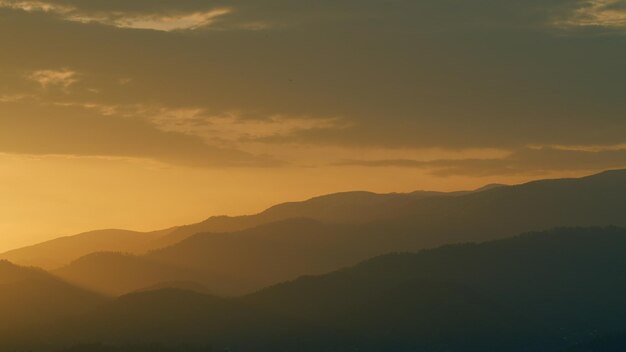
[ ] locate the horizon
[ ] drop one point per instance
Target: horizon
(257, 211)
(57, 220)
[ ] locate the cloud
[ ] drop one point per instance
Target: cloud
(520, 162)
(234, 126)
(35, 6)
(37, 128)
(9, 98)
(609, 14)
(167, 22)
(187, 21)
(169, 15)
(46, 78)
(401, 74)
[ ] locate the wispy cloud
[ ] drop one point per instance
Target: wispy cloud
(10, 98)
(92, 129)
(596, 13)
(582, 148)
(234, 126)
(168, 23)
(62, 78)
(523, 161)
(154, 21)
(36, 6)
(103, 109)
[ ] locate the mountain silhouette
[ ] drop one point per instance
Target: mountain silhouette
(30, 298)
(560, 285)
(489, 212)
(543, 291)
(58, 252)
(613, 342)
(113, 273)
(179, 285)
(340, 207)
(242, 261)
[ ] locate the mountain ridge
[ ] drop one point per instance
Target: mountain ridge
(46, 254)
(458, 298)
(242, 261)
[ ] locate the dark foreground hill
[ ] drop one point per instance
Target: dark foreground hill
(243, 261)
(615, 342)
(30, 298)
(544, 291)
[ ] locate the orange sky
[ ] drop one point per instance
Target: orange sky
(146, 114)
(45, 197)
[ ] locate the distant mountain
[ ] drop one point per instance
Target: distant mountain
(345, 207)
(58, 252)
(542, 292)
(10, 273)
(177, 285)
(243, 261)
(118, 273)
(224, 263)
(30, 298)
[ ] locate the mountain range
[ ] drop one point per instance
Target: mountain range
(545, 291)
(326, 233)
(422, 271)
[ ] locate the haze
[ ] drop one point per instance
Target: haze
(147, 114)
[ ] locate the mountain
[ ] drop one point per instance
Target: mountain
(166, 317)
(613, 342)
(244, 261)
(10, 273)
(341, 207)
(366, 207)
(58, 252)
(240, 262)
(115, 274)
(30, 298)
(356, 207)
(548, 288)
(226, 264)
(174, 317)
(543, 292)
(178, 285)
(545, 271)
(345, 208)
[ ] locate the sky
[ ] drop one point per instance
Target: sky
(143, 114)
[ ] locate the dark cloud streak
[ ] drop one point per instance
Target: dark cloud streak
(27, 128)
(524, 161)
